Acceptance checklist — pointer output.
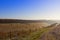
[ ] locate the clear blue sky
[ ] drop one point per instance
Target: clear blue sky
(30, 9)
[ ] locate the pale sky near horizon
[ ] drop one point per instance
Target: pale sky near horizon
(30, 9)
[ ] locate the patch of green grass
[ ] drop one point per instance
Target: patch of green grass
(36, 35)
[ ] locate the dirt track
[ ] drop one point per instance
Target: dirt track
(52, 34)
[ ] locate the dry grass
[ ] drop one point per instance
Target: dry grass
(18, 31)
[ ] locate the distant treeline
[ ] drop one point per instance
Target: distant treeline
(19, 21)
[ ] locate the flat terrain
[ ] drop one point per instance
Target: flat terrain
(28, 29)
(52, 34)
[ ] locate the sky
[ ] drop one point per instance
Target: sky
(30, 9)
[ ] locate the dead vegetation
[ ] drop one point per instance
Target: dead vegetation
(19, 30)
